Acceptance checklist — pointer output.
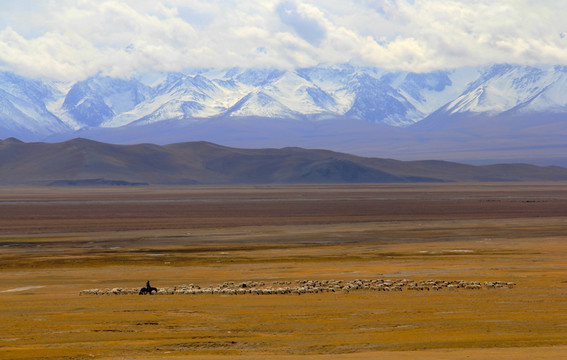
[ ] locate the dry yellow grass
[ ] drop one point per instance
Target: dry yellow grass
(42, 273)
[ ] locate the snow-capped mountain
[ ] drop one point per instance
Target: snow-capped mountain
(516, 89)
(397, 99)
(97, 101)
(23, 107)
(33, 109)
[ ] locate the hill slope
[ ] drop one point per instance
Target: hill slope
(87, 162)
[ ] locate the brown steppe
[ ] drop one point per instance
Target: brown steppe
(55, 242)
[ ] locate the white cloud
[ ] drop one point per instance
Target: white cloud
(301, 21)
(71, 40)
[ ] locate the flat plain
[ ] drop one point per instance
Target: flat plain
(56, 242)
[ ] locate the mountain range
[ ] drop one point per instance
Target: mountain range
(478, 115)
(83, 162)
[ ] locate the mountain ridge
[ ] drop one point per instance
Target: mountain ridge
(91, 163)
(373, 95)
(474, 115)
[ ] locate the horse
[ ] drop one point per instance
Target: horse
(148, 289)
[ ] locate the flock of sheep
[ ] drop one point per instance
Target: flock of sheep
(309, 286)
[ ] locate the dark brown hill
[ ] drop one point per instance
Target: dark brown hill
(87, 162)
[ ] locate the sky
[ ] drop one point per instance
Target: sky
(72, 40)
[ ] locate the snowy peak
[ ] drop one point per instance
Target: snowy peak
(23, 109)
(260, 104)
(185, 97)
(336, 91)
(376, 100)
(295, 94)
(549, 94)
(256, 77)
(98, 100)
(505, 88)
(26, 89)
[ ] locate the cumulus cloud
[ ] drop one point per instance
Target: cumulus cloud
(305, 26)
(71, 40)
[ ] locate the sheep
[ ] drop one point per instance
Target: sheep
(90, 292)
(310, 287)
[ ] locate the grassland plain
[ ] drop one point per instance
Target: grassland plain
(56, 242)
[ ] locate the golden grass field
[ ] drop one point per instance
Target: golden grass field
(55, 242)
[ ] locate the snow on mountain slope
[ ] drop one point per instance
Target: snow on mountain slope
(235, 92)
(376, 101)
(259, 103)
(552, 97)
(97, 100)
(428, 92)
(333, 80)
(502, 88)
(326, 91)
(23, 107)
(184, 96)
(255, 77)
(397, 99)
(294, 93)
